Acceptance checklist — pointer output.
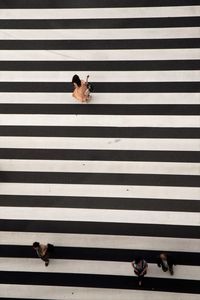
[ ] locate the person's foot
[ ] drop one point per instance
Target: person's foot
(171, 272)
(89, 98)
(46, 263)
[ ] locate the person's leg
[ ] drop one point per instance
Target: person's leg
(140, 278)
(47, 263)
(45, 258)
(171, 271)
(87, 95)
(164, 269)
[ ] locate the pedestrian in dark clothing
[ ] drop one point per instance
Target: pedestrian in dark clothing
(140, 267)
(43, 251)
(166, 262)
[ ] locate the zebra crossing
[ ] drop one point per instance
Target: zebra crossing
(107, 180)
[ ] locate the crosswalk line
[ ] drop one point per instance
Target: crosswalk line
(103, 98)
(91, 13)
(129, 191)
(102, 241)
(99, 34)
(85, 293)
(100, 143)
(101, 76)
(100, 215)
(99, 55)
(94, 267)
(100, 120)
(101, 166)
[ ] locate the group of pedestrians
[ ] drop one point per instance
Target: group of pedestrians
(81, 92)
(140, 266)
(164, 260)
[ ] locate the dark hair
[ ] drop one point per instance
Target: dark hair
(138, 259)
(76, 80)
(36, 244)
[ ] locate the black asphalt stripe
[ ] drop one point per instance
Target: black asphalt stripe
(102, 109)
(125, 65)
(101, 178)
(100, 23)
(101, 203)
(22, 298)
(100, 281)
(105, 228)
(100, 132)
(107, 155)
(101, 254)
(101, 87)
(99, 44)
(93, 3)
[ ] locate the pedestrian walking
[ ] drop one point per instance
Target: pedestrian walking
(81, 89)
(43, 251)
(166, 262)
(140, 267)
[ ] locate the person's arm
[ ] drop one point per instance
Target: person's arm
(145, 269)
(75, 86)
(134, 268)
(170, 261)
(86, 82)
(158, 262)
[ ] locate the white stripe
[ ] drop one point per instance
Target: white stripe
(100, 143)
(100, 120)
(96, 13)
(98, 55)
(94, 267)
(101, 241)
(100, 167)
(103, 98)
(99, 34)
(100, 76)
(81, 190)
(100, 215)
(81, 293)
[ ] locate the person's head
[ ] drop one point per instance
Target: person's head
(138, 259)
(36, 245)
(76, 80)
(163, 256)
